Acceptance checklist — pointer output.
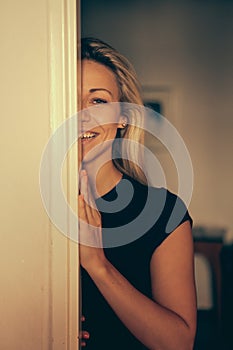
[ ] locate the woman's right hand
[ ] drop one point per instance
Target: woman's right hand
(90, 230)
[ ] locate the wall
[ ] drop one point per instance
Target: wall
(38, 298)
(24, 129)
(186, 47)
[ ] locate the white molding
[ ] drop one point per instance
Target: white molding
(62, 56)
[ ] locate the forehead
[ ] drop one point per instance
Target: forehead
(96, 75)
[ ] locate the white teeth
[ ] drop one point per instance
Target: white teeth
(88, 135)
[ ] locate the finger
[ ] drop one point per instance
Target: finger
(86, 189)
(82, 208)
(85, 335)
(82, 318)
(80, 152)
(95, 217)
(83, 183)
(85, 202)
(92, 213)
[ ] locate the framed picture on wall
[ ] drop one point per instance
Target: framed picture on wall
(160, 99)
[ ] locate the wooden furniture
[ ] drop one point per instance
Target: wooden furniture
(211, 250)
(208, 241)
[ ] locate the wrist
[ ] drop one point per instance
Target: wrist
(99, 269)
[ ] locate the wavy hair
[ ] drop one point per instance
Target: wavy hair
(129, 90)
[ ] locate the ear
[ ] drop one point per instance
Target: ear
(122, 122)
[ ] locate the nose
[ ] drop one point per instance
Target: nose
(87, 122)
(85, 116)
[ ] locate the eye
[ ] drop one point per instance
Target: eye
(97, 101)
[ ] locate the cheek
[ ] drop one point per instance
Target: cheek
(111, 129)
(105, 114)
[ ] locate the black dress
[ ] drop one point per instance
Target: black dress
(131, 208)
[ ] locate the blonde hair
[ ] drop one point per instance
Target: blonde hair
(129, 89)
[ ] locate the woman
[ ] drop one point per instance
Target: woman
(138, 294)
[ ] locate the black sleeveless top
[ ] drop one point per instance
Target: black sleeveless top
(136, 219)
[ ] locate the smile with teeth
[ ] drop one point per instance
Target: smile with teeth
(89, 135)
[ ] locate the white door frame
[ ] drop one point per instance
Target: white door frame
(64, 269)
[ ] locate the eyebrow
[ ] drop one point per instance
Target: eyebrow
(100, 89)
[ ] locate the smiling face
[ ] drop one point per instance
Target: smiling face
(99, 125)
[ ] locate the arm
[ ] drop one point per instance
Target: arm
(173, 286)
(168, 321)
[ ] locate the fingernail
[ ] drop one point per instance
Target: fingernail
(83, 172)
(86, 335)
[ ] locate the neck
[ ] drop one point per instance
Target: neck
(102, 178)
